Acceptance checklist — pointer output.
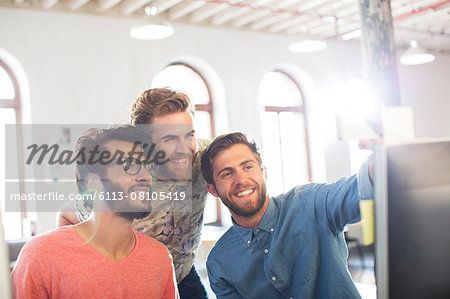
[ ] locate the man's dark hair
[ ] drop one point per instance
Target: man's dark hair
(98, 137)
(158, 102)
(222, 143)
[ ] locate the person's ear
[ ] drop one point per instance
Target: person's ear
(94, 183)
(265, 172)
(211, 189)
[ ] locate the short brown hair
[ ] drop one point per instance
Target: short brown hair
(222, 143)
(157, 102)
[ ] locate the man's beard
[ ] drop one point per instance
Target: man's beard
(239, 211)
(123, 208)
(174, 173)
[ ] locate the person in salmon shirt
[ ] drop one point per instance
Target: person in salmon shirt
(103, 256)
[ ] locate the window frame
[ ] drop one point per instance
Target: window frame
(15, 104)
(201, 107)
(302, 109)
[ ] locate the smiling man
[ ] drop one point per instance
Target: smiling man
(289, 246)
(168, 117)
(101, 257)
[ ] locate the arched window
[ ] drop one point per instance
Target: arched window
(284, 132)
(182, 77)
(10, 113)
(185, 78)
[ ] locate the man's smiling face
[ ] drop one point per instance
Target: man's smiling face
(239, 181)
(174, 134)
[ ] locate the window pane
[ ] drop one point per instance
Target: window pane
(285, 156)
(293, 148)
(277, 89)
(202, 124)
(7, 116)
(11, 220)
(184, 79)
(6, 86)
(272, 153)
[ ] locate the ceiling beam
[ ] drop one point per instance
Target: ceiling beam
(228, 15)
(130, 6)
(404, 7)
(323, 28)
(287, 3)
(327, 6)
(310, 5)
(208, 11)
(77, 4)
(250, 18)
(289, 23)
(234, 12)
(185, 8)
(421, 10)
(269, 21)
(163, 5)
(437, 18)
(47, 4)
(104, 5)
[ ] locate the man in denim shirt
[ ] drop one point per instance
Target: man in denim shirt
(290, 246)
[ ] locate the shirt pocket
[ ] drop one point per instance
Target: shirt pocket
(299, 257)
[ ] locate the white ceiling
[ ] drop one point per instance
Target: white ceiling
(427, 21)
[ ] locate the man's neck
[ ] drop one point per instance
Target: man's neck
(109, 234)
(253, 221)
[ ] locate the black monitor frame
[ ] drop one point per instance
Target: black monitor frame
(412, 219)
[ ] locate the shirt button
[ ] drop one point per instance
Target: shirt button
(266, 250)
(274, 278)
(256, 230)
(272, 229)
(248, 241)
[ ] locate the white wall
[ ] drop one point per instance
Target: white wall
(427, 89)
(85, 69)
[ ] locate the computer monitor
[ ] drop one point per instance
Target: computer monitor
(412, 220)
(5, 285)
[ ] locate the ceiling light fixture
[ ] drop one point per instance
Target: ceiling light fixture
(151, 27)
(307, 46)
(415, 55)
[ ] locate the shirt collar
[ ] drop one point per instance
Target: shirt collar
(270, 217)
(243, 232)
(267, 223)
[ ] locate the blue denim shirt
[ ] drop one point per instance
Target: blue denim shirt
(297, 250)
